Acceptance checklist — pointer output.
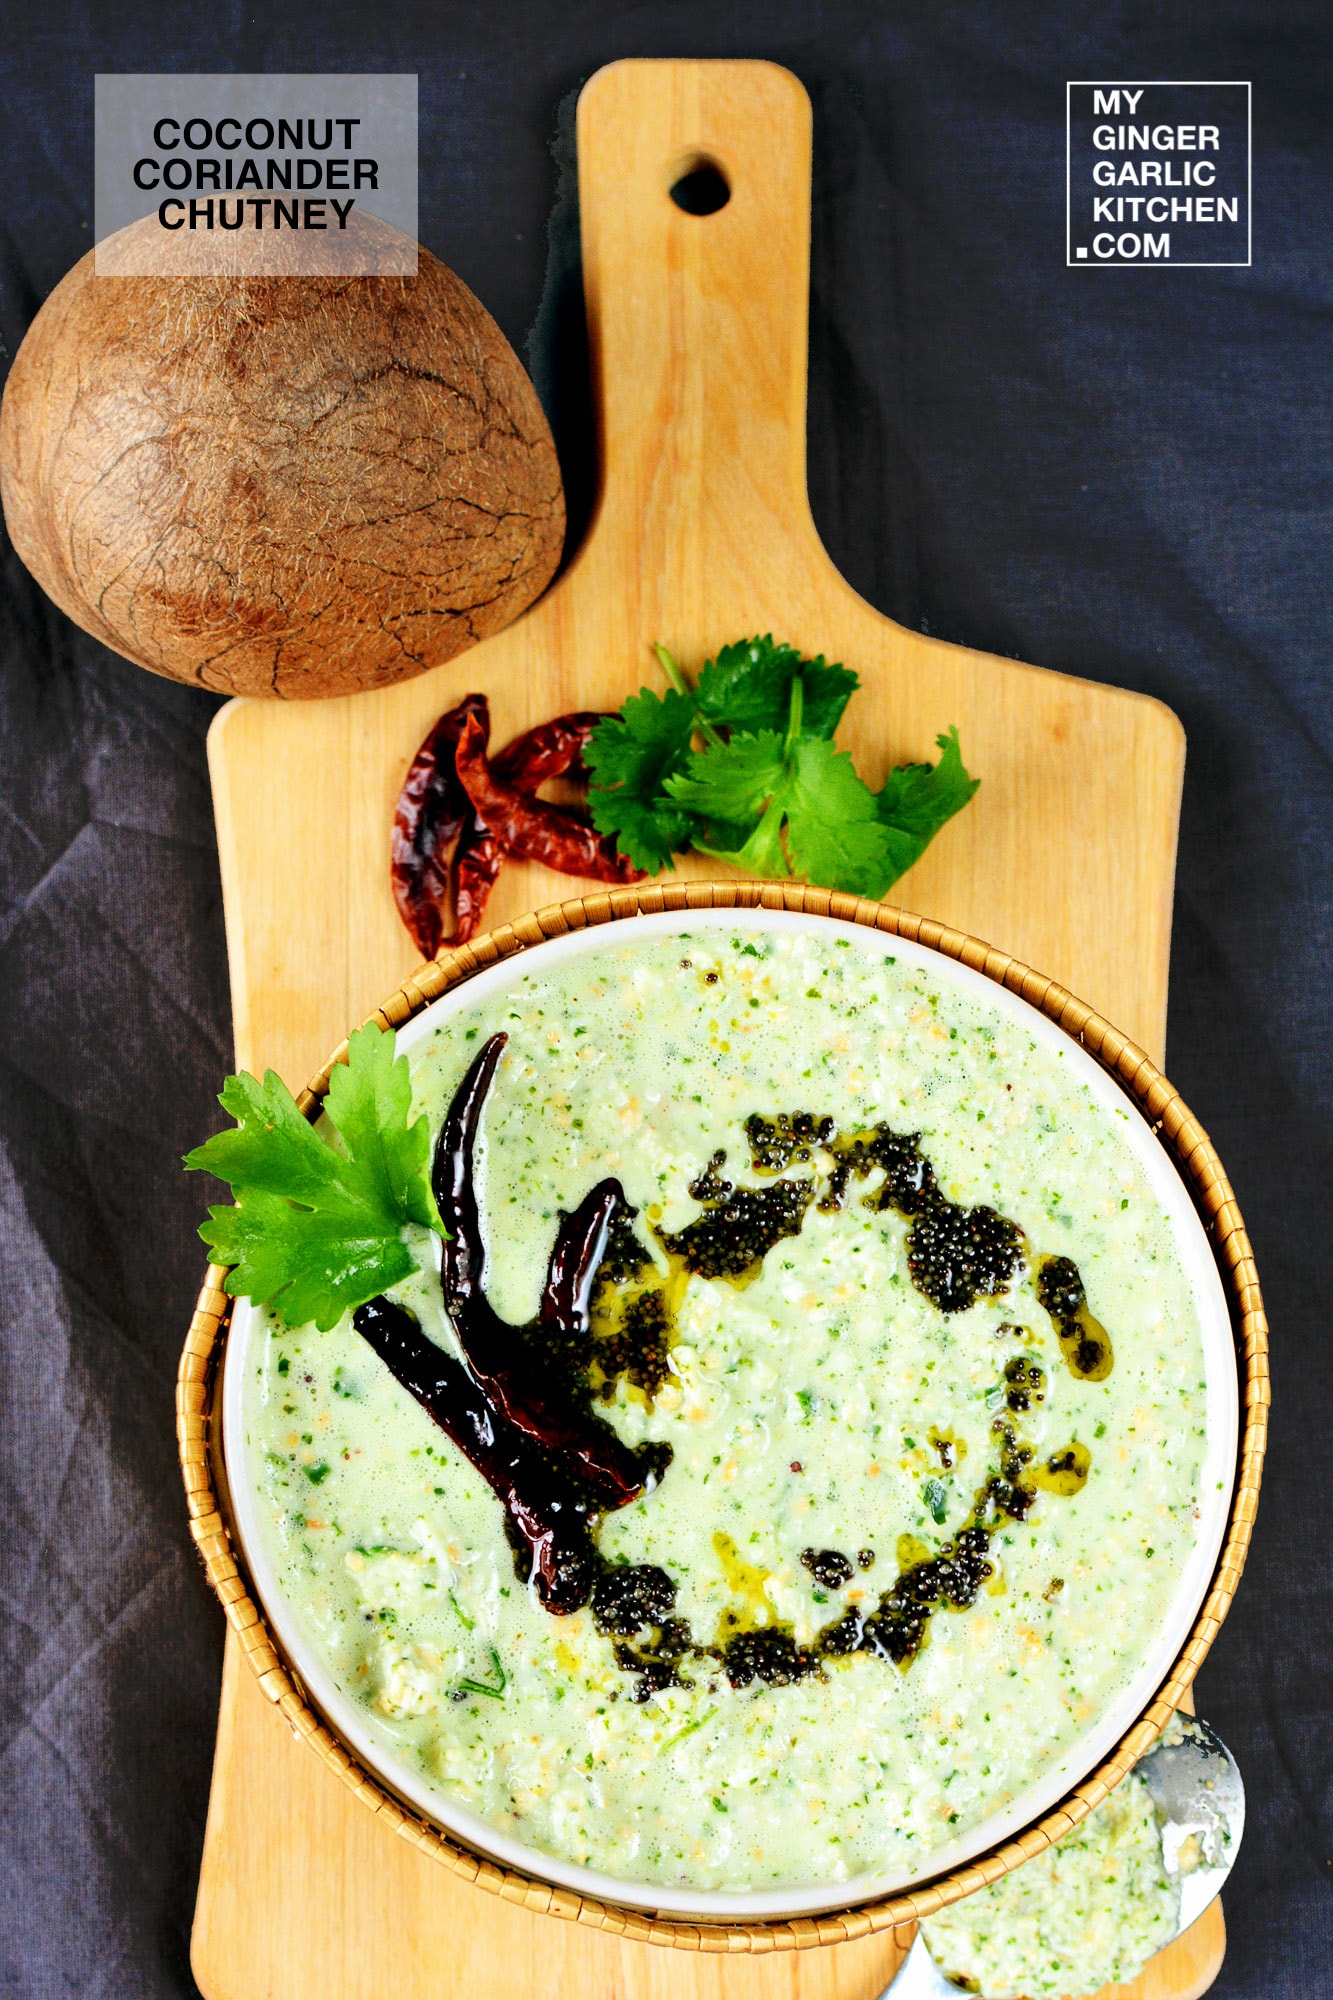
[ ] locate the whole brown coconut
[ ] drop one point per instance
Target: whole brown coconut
(287, 486)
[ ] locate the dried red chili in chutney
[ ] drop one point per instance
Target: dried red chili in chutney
(524, 1421)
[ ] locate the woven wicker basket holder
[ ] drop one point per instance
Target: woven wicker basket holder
(1201, 1169)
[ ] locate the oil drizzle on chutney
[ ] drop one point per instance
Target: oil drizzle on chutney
(1084, 1341)
(738, 1226)
(633, 1315)
(955, 1255)
(898, 1626)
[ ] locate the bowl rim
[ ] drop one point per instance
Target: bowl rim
(1160, 1640)
(704, 1922)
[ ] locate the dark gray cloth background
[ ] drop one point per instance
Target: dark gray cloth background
(1122, 474)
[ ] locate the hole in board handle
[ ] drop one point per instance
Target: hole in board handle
(702, 189)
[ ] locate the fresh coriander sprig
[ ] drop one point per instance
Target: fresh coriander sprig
(765, 789)
(317, 1227)
(682, 686)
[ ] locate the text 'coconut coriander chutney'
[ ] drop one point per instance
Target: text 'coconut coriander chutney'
(801, 1444)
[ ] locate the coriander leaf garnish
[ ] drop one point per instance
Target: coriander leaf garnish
(918, 799)
(317, 1228)
(747, 688)
(631, 755)
(796, 783)
(734, 782)
(742, 766)
(370, 1103)
(834, 835)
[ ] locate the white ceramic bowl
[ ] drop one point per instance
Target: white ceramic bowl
(1161, 1644)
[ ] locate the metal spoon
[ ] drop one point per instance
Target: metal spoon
(1196, 1787)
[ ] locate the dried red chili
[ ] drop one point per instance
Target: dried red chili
(479, 861)
(431, 812)
(434, 810)
(530, 826)
(549, 751)
(523, 1379)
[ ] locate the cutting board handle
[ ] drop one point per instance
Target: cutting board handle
(697, 323)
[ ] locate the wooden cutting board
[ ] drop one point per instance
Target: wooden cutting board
(702, 534)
